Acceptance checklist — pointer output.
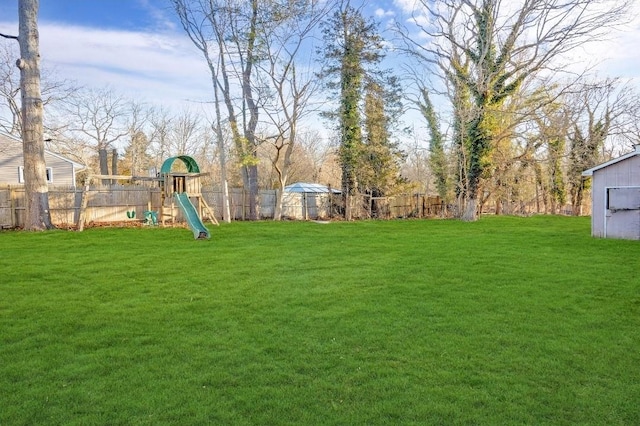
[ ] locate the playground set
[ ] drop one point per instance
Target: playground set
(181, 189)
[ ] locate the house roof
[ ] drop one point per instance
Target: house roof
(12, 138)
(589, 172)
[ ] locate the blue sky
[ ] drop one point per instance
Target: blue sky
(131, 15)
(134, 46)
(138, 47)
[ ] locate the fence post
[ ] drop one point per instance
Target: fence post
(83, 208)
(12, 207)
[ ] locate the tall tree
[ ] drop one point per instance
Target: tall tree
(185, 133)
(378, 171)
(226, 33)
(98, 117)
(216, 126)
(491, 48)
(551, 132)
(38, 215)
(136, 152)
(437, 155)
(352, 44)
(284, 36)
(601, 110)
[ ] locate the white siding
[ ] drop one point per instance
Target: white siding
(10, 161)
(622, 177)
(62, 170)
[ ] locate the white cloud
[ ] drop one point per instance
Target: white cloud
(381, 13)
(406, 5)
(615, 56)
(618, 56)
(163, 68)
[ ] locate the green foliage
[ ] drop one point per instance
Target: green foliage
(437, 156)
(584, 154)
(557, 188)
(303, 323)
(247, 153)
(379, 163)
(352, 50)
(486, 76)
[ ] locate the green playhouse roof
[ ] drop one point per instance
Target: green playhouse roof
(192, 166)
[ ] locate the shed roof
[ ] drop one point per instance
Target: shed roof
(303, 187)
(589, 172)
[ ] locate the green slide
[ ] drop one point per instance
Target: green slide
(200, 232)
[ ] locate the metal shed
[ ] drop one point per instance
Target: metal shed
(615, 197)
(308, 200)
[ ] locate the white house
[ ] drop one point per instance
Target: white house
(615, 197)
(60, 170)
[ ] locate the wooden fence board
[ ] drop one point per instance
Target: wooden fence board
(111, 204)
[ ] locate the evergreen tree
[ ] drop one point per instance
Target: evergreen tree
(437, 155)
(379, 168)
(352, 45)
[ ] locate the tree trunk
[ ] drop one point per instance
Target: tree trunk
(103, 160)
(226, 210)
(282, 182)
(38, 216)
(253, 192)
(470, 211)
(277, 215)
(114, 164)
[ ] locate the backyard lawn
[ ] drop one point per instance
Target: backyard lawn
(502, 321)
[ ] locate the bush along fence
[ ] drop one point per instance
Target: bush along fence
(102, 204)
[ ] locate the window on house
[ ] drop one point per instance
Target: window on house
(21, 174)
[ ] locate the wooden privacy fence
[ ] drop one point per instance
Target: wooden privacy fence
(64, 203)
(403, 206)
(122, 203)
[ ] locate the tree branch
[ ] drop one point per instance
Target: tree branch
(9, 36)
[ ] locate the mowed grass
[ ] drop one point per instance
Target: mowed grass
(503, 321)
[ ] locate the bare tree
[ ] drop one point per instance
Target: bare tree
(489, 48)
(284, 38)
(38, 216)
(54, 92)
(546, 152)
(185, 133)
(10, 119)
(600, 110)
(136, 151)
(320, 158)
(216, 126)
(159, 135)
(225, 31)
(98, 117)
(416, 167)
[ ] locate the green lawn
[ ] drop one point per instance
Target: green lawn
(503, 321)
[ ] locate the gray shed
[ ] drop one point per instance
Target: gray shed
(60, 170)
(615, 197)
